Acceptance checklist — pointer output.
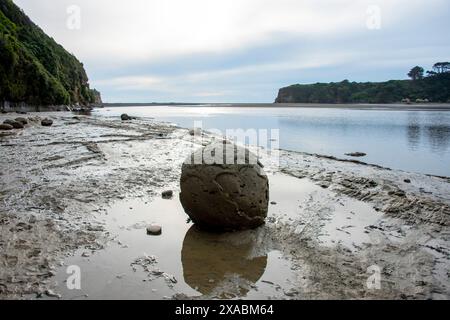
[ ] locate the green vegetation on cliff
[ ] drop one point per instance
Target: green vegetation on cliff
(434, 88)
(34, 69)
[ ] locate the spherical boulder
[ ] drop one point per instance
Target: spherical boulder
(224, 188)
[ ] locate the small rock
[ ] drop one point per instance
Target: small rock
(273, 202)
(21, 112)
(407, 181)
(125, 117)
(168, 194)
(6, 127)
(47, 122)
(4, 111)
(154, 229)
(85, 254)
(16, 125)
(356, 154)
(21, 120)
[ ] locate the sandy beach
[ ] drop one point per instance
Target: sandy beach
(81, 192)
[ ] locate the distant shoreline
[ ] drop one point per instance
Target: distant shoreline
(357, 106)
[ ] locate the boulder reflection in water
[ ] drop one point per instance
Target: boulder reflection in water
(221, 265)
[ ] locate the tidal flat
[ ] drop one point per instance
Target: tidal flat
(81, 193)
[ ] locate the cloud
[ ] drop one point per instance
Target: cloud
(182, 48)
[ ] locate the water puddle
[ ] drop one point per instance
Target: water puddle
(183, 259)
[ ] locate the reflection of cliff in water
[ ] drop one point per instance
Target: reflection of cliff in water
(221, 265)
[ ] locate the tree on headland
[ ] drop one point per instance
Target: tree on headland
(416, 73)
(441, 67)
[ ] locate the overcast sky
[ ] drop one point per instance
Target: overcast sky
(241, 50)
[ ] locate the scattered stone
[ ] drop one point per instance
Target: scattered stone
(356, 154)
(407, 181)
(4, 111)
(5, 126)
(21, 120)
(47, 122)
(273, 202)
(85, 254)
(154, 229)
(16, 125)
(229, 191)
(126, 117)
(168, 194)
(21, 112)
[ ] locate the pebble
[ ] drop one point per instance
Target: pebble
(154, 229)
(168, 194)
(46, 122)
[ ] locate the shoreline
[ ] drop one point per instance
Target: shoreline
(59, 181)
(359, 106)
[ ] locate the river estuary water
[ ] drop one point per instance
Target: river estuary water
(415, 140)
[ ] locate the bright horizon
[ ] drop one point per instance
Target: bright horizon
(241, 51)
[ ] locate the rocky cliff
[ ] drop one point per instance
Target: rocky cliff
(34, 69)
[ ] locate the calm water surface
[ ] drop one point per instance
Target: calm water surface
(417, 141)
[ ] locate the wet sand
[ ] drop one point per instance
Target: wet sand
(82, 191)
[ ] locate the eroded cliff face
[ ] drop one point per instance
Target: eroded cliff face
(285, 96)
(97, 98)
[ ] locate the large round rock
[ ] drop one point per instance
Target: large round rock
(224, 188)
